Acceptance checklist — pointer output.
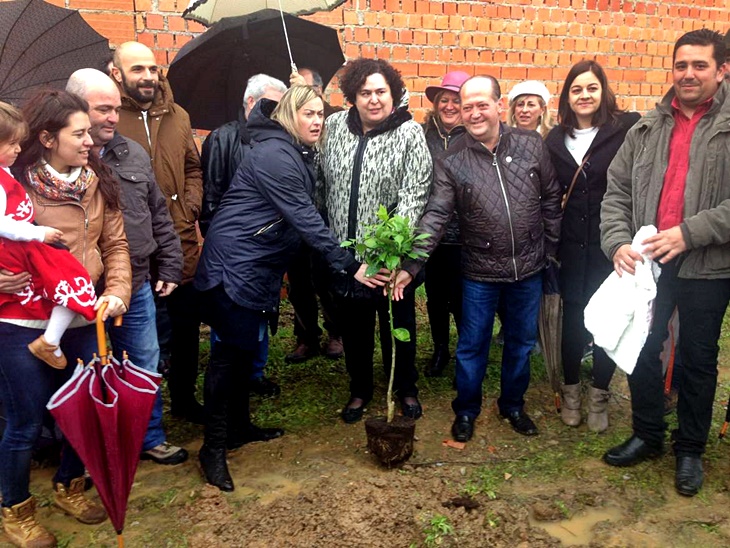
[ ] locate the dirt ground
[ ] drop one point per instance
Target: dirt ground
(319, 487)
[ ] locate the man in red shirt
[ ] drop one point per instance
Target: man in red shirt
(673, 171)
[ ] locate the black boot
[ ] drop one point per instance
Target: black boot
(215, 468)
(438, 362)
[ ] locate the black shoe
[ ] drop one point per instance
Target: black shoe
(302, 353)
(632, 451)
(352, 414)
(264, 387)
(251, 434)
(439, 361)
(689, 475)
(163, 367)
(412, 410)
(521, 423)
(463, 428)
(215, 468)
(192, 412)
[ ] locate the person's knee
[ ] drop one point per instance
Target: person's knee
(23, 435)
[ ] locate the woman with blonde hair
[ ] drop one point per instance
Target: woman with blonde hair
(259, 225)
(528, 107)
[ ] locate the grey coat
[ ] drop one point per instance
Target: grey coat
(153, 242)
(636, 178)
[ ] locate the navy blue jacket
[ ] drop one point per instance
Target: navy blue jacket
(263, 217)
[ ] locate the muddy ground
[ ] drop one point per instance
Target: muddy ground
(319, 487)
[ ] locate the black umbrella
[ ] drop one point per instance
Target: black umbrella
(209, 74)
(41, 45)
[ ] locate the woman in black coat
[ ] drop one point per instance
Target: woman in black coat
(591, 130)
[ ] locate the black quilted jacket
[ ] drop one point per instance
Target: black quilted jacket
(508, 205)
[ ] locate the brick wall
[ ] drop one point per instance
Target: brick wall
(510, 39)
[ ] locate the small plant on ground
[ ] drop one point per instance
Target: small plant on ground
(386, 245)
(437, 530)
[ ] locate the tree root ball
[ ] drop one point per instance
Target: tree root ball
(391, 443)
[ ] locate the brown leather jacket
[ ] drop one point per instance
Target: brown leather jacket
(94, 235)
(175, 161)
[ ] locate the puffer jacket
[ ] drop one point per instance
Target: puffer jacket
(508, 204)
(175, 161)
(94, 235)
(153, 242)
(439, 140)
(263, 217)
(636, 178)
(223, 151)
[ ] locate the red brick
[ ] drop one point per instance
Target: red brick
(154, 21)
(117, 28)
(101, 5)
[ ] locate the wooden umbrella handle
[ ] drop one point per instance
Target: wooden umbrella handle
(101, 331)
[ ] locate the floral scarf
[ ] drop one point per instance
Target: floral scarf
(47, 182)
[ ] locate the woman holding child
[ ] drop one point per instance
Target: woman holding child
(72, 192)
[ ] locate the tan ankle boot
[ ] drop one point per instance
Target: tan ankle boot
(598, 409)
(570, 408)
(43, 350)
(72, 500)
(23, 530)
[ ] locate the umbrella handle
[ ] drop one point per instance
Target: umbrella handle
(101, 330)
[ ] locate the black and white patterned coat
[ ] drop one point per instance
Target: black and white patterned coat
(389, 165)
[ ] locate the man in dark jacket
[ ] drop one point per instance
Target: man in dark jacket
(673, 172)
(502, 185)
(223, 151)
(150, 116)
(151, 236)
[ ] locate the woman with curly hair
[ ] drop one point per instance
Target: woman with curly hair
(374, 154)
(592, 129)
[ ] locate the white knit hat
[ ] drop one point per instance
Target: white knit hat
(530, 87)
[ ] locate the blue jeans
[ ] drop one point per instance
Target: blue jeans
(260, 357)
(26, 385)
(138, 336)
(521, 305)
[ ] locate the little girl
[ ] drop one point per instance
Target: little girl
(59, 287)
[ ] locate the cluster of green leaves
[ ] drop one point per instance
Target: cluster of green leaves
(387, 243)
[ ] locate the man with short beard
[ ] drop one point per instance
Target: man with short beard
(150, 116)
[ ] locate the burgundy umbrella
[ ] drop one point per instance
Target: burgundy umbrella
(103, 411)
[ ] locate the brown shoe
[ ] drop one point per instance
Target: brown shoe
(301, 353)
(71, 500)
(22, 528)
(43, 350)
(334, 348)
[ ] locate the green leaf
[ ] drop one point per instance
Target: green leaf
(371, 270)
(382, 213)
(371, 243)
(423, 236)
(347, 243)
(402, 334)
(391, 263)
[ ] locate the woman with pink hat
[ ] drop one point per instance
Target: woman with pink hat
(528, 107)
(443, 127)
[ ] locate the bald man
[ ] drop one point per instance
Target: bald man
(150, 116)
(151, 236)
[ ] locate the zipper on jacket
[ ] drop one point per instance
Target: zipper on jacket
(355, 188)
(509, 212)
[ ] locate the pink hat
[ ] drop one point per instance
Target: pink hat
(452, 82)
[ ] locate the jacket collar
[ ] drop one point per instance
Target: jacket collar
(505, 135)
(242, 128)
(117, 146)
(396, 119)
(720, 103)
(160, 104)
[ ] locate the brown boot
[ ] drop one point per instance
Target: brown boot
(43, 350)
(334, 348)
(23, 530)
(570, 408)
(598, 409)
(71, 500)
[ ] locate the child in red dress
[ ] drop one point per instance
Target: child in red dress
(59, 287)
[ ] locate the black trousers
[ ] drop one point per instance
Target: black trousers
(229, 370)
(309, 278)
(358, 338)
(184, 314)
(701, 305)
(443, 291)
(575, 339)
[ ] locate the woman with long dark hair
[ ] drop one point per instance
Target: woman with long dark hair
(71, 191)
(591, 129)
